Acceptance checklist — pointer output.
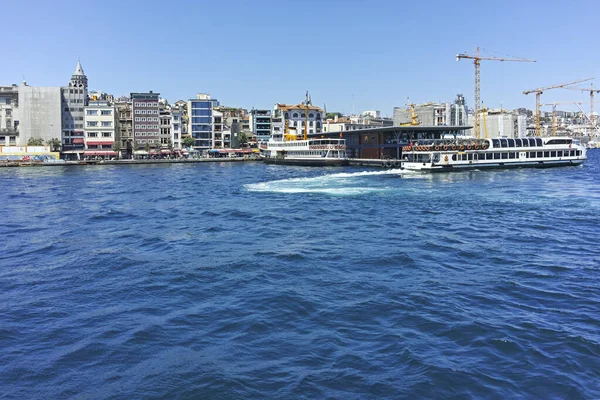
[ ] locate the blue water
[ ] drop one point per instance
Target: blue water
(241, 281)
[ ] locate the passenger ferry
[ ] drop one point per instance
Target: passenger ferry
(469, 153)
(310, 152)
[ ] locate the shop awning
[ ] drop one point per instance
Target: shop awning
(99, 143)
(99, 153)
(78, 141)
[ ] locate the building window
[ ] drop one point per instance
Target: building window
(295, 115)
(106, 134)
(92, 134)
(106, 123)
(91, 112)
(106, 112)
(92, 123)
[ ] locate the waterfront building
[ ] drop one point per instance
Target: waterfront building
(101, 133)
(146, 125)
(227, 123)
(74, 99)
(9, 118)
(294, 117)
(434, 114)
(200, 121)
(177, 124)
(260, 124)
(166, 139)
(39, 113)
(125, 126)
(343, 124)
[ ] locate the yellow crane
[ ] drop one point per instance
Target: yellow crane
(554, 125)
(592, 91)
(538, 93)
(484, 111)
(476, 61)
(414, 121)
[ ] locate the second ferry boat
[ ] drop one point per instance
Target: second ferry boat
(469, 153)
(288, 149)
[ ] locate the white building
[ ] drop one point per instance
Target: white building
(177, 124)
(100, 129)
(295, 117)
(372, 113)
(9, 118)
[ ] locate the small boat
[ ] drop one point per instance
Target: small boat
(468, 153)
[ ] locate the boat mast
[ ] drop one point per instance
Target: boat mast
(306, 102)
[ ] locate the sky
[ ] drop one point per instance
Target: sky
(350, 55)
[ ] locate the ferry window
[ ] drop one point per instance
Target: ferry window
(481, 156)
(453, 157)
(496, 142)
(572, 152)
(559, 153)
(504, 156)
(489, 156)
(552, 154)
(578, 152)
(512, 155)
(470, 156)
(503, 143)
(546, 154)
(525, 143)
(532, 154)
(540, 154)
(531, 142)
(538, 142)
(511, 142)
(518, 143)
(496, 156)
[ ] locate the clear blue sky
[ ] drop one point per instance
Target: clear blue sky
(351, 55)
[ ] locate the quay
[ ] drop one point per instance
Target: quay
(122, 162)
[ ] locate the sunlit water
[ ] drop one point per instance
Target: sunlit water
(258, 281)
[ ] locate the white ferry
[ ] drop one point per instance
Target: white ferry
(309, 152)
(468, 153)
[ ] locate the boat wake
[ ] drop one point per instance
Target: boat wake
(339, 184)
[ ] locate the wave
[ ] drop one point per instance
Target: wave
(339, 184)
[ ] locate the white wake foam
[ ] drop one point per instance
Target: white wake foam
(339, 184)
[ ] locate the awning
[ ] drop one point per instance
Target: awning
(140, 152)
(165, 151)
(99, 153)
(72, 151)
(100, 143)
(78, 141)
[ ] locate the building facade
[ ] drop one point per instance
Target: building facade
(146, 124)
(200, 121)
(9, 118)
(295, 118)
(40, 113)
(177, 124)
(124, 122)
(260, 124)
(101, 132)
(166, 139)
(434, 114)
(74, 99)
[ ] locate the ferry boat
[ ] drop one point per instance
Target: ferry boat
(469, 153)
(287, 148)
(310, 152)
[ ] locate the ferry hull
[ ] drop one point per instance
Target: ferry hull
(324, 162)
(463, 167)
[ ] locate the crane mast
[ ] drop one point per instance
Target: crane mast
(592, 91)
(477, 62)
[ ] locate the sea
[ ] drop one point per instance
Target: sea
(252, 281)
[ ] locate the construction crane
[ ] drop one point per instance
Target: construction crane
(538, 93)
(484, 111)
(476, 61)
(554, 127)
(414, 121)
(592, 91)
